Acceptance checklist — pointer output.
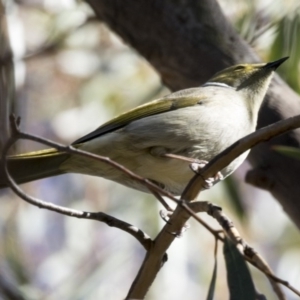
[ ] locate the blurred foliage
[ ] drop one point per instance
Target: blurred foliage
(72, 74)
(239, 279)
(288, 151)
(212, 285)
(287, 41)
(235, 197)
(274, 31)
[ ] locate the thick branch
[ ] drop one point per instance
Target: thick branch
(154, 258)
(156, 251)
(228, 155)
(187, 42)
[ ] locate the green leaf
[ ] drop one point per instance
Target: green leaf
(239, 280)
(212, 286)
(286, 42)
(288, 151)
(235, 197)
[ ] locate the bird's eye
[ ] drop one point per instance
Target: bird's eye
(240, 67)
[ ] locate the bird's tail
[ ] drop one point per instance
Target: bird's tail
(34, 165)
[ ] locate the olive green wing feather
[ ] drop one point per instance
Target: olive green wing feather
(177, 100)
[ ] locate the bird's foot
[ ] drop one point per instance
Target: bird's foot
(196, 165)
(209, 182)
(165, 215)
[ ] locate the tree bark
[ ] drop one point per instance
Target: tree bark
(187, 41)
(6, 77)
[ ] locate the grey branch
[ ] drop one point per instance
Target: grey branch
(154, 258)
(142, 237)
(228, 155)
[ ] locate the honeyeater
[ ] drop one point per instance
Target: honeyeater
(160, 139)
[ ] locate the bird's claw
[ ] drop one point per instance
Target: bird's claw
(209, 182)
(165, 215)
(179, 233)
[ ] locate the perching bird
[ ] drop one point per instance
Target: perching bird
(153, 139)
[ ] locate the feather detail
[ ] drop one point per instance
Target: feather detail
(171, 102)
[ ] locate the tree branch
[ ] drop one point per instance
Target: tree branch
(6, 78)
(154, 258)
(187, 42)
(142, 237)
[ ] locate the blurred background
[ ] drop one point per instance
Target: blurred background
(72, 74)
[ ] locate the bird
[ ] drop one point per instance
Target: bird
(160, 140)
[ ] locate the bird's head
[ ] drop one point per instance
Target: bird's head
(252, 80)
(247, 75)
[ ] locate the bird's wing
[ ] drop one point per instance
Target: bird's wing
(180, 99)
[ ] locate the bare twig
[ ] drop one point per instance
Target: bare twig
(212, 43)
(142, 237)
(154, 258)
(228, 155)
(17, 135)
(51, 45)
(249, 253)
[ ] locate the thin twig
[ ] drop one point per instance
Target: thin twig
(17, 135)
(153, 260)
(252, 256)
(142, 237)
(184, 210)
(223, 159)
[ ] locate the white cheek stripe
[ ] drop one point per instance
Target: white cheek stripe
(217, 84)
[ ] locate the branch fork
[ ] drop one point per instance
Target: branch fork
(187, 206)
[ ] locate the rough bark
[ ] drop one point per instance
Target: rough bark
(6, 77)
(187, 41)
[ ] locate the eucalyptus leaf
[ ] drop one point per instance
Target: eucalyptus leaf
(239, 280)
(235, 197)
(288, 151)
(212, 286)
(286, 42)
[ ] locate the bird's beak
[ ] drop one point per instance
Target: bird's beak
(275, 64)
